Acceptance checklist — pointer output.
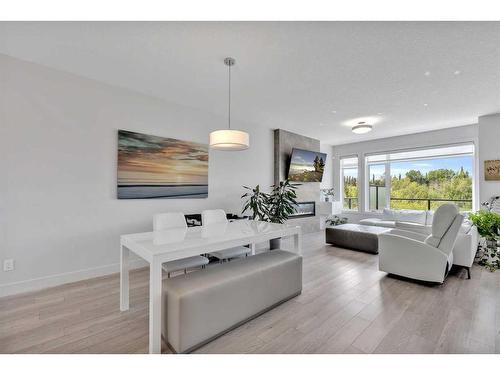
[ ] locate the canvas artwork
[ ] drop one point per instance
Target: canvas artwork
(157, 167)
(492, 170)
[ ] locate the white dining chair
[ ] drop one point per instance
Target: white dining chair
(218, 216)
(173, 220)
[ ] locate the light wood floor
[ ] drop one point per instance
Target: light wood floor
(347, 306)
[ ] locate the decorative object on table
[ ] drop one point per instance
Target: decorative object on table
(256, 203)
(274, 207)
(306, 166)
(281, 202)
(335, 220)
(234, 217)
(492, 170)
(229, 139)
(157, 167)
(493, 204)
(488, 226)
(193, 220)
(328, 194)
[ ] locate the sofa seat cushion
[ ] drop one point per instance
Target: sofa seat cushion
(400, 220)
(413, 216)
(370, 221)
(378, 222)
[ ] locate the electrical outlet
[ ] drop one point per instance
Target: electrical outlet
(8, 265)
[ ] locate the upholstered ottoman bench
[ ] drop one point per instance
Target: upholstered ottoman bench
(355, 237)
(204, 305)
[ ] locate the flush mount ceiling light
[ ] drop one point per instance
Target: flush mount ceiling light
(229, 139)
(362, 128)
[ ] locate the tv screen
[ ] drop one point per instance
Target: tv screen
(306, 166)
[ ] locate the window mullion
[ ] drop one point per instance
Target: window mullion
(388, 185)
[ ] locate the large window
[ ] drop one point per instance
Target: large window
(349, 176)
(421, 179)
(377, 186)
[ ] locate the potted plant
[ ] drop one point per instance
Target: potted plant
(329, 194)
(335, 220)
(488, 227)
(273, 207)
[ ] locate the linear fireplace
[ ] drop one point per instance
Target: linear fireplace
(304, 209)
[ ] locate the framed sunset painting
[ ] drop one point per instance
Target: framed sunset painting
(156, 167)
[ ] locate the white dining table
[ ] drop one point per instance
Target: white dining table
(159, 247)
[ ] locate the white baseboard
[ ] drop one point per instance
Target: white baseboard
(64, 278)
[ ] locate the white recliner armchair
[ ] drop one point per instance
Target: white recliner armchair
(421, 257)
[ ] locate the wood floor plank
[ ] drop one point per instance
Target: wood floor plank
(315, 339)
(347, 306)
(343, 339)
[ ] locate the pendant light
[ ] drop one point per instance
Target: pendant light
(229, 139)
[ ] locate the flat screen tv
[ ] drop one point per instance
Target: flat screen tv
(306, 166)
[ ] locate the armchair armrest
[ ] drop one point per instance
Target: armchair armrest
(414, 227)
(405, 256)
(408, 234)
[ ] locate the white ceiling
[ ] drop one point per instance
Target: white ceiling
(288, 75)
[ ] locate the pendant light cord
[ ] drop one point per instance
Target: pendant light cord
(229, 107)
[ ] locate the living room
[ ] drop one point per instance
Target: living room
(247, 187)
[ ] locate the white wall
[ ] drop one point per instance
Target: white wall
(59, 216)
(327, 182)
(468, 133)
(489, 140)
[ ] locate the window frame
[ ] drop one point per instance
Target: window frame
(387, 163)
(351, 156)
(387, 170)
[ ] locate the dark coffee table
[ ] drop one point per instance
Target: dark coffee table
(355, 237)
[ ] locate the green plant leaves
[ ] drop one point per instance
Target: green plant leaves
(488, 226)
(276, 206)
(487, 223)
